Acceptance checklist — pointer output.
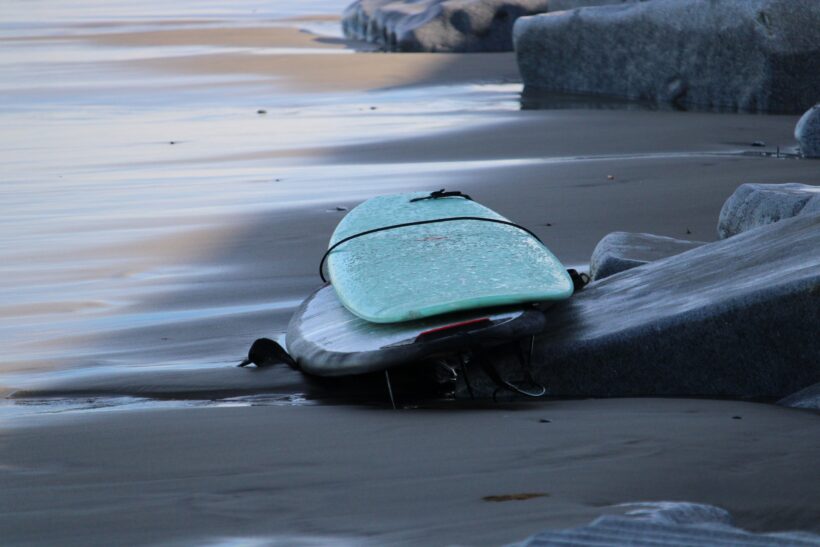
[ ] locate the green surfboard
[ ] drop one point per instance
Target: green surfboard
(407, 273)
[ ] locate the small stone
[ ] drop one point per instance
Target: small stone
(372, 108)
(261, 111)
(172, 142)
(610, 177)
(544, 421)
(759, 144)
(737, 417)
(807, 133)
(688, 231)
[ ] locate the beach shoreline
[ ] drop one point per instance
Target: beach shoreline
(173, 184)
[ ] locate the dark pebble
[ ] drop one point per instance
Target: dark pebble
(261, 111)
(544, 421)
(737, 417)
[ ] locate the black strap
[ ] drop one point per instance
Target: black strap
(579, 279)
(443, 194)
(416, 223)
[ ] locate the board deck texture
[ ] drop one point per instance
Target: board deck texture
(326, 339)
(419, 271)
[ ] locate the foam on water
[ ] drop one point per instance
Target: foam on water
(22, 16)
(10, 410)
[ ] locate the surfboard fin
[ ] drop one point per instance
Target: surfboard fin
(532, 388)
(264, 352)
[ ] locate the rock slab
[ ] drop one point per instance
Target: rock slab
(445, 25)
(807, 133)
(667, 523)
(735, 318)
(621, 251)
(735, 55)
(754, 205)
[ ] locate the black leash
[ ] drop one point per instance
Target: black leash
(416, 223)
(443, 194)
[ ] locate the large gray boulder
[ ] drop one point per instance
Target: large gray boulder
(445, 25)
(620, 251)
(807, 133)
(667, 523)
(734, 318)
(753, 205)
(751, 55)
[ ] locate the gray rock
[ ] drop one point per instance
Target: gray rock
(753, 205)
(445, 25)
(667, 523)
(620, 251)
(805, 398)
(751, 55)
(807, 132)
(734, 318)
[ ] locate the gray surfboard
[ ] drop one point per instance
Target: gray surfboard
(326, 339)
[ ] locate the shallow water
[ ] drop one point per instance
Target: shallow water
(39, 407)
(123, 187)
(156, 220)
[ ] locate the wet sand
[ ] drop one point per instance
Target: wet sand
(415, 477)
(135, 267)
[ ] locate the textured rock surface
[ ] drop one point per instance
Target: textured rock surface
(807, 133)
(755, 55)
(621, 251)
(667, 523)
(735, 318)
(805, 398)
(753, 205)
(445, 25)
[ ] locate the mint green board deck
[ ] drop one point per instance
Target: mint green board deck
(426, 270)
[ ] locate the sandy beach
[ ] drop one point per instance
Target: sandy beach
(172, 175)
